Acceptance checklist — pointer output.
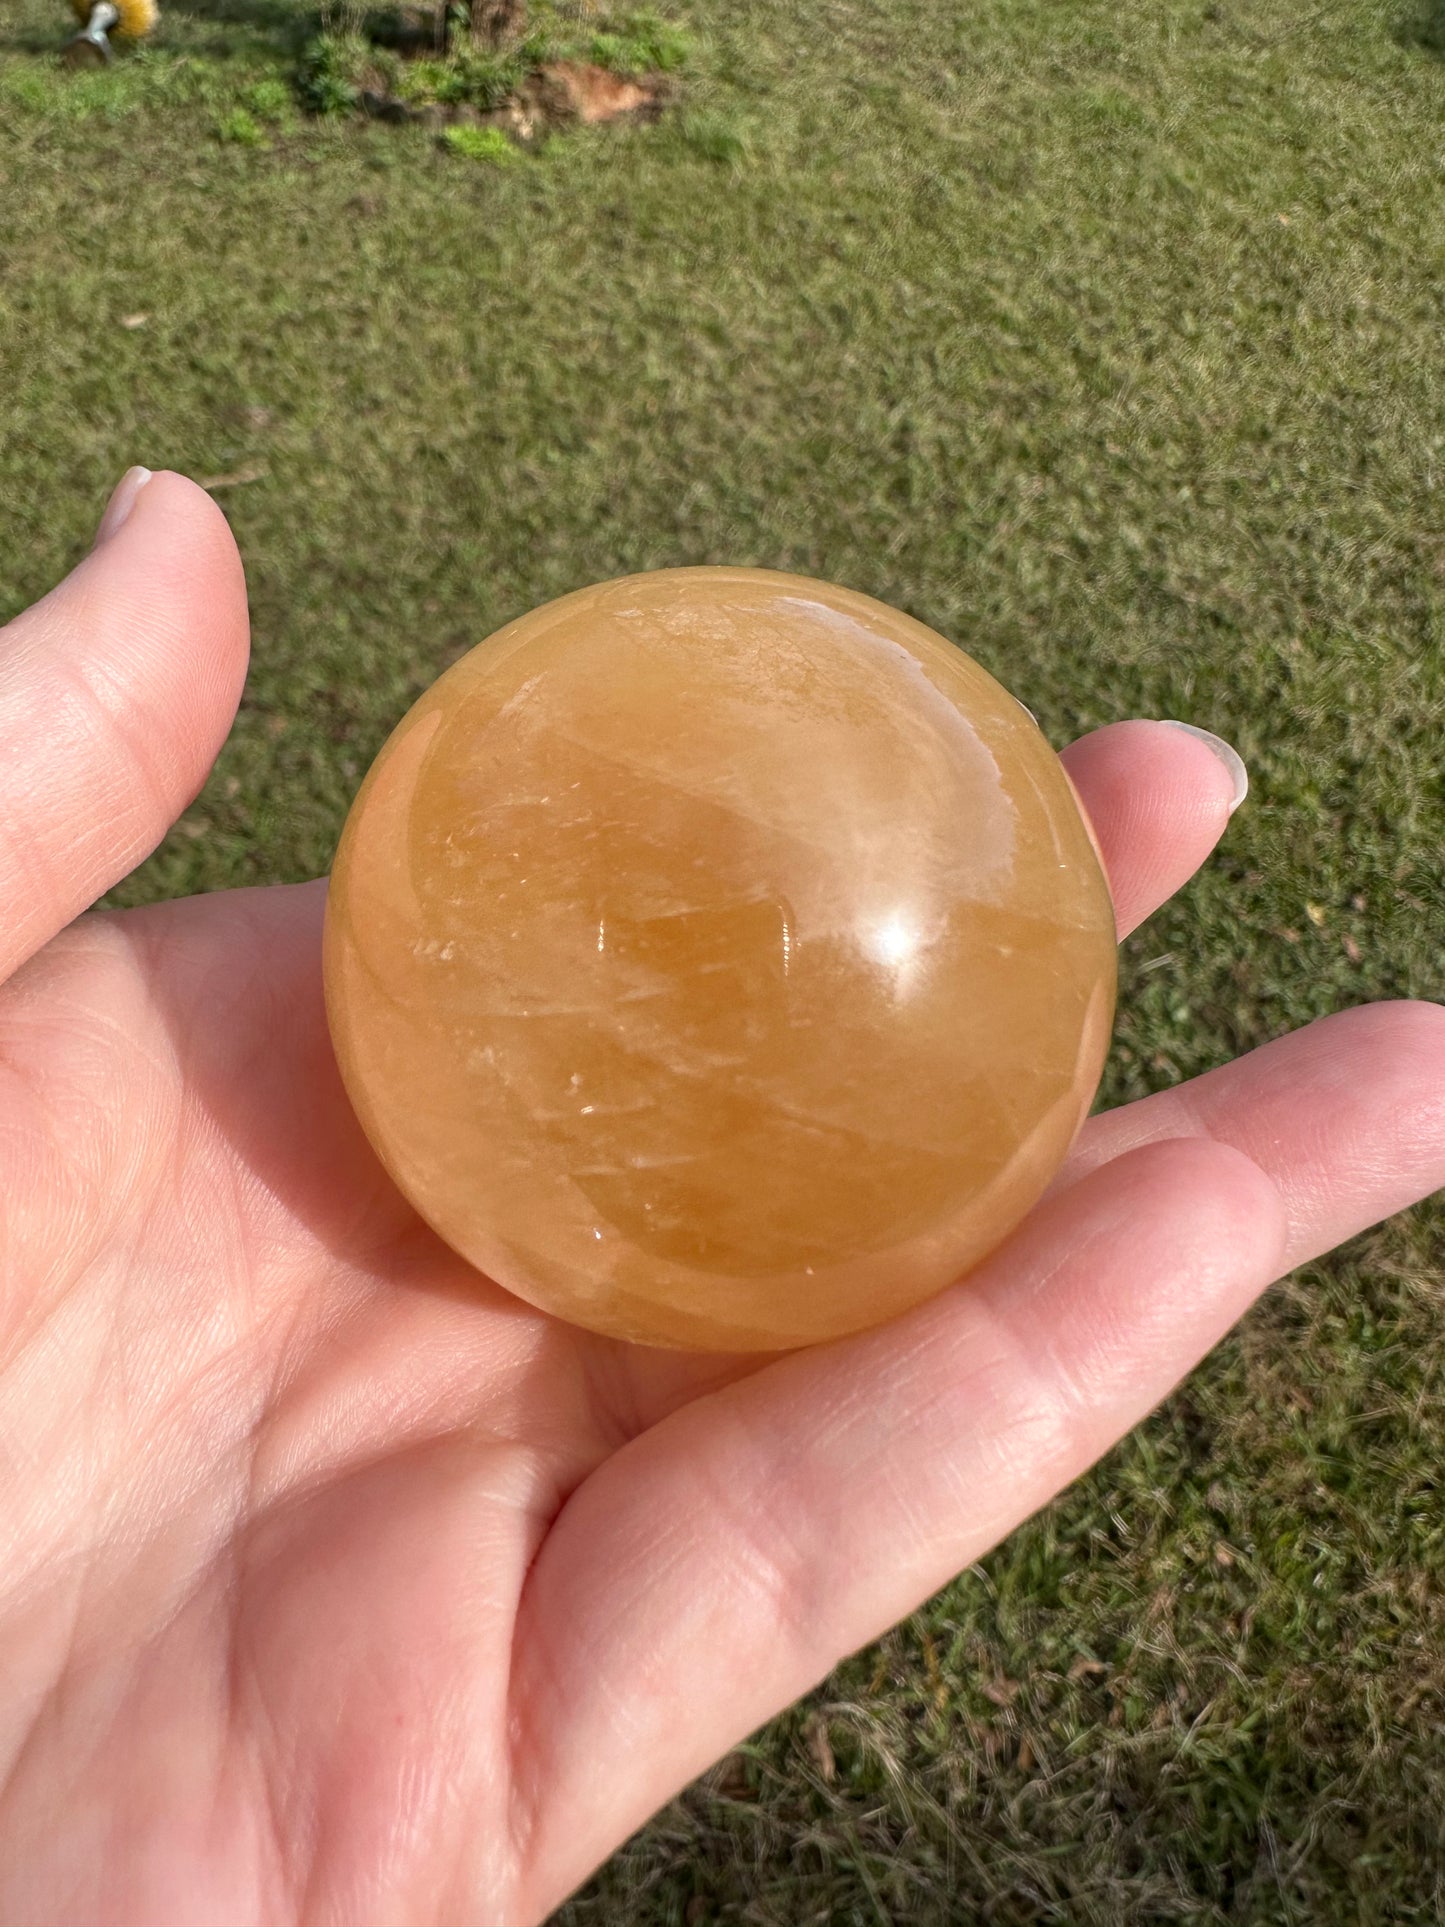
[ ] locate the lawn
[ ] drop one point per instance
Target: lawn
(1109, 339)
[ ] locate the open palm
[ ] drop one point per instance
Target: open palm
(336, 1585)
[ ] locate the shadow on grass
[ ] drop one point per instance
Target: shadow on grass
(39, 40)
(291, 26)
(221, 29)
(285, 27)
(1424, 27)
(214, 27)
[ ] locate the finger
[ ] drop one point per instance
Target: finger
(1158, 798)
(791, 1516)
(116, 692)
(1347, 1117)
(726, 1560)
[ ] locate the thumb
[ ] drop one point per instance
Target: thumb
(116, 692)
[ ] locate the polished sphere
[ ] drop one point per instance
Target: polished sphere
(718, 958)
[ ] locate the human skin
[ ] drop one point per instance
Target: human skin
(337, 1585)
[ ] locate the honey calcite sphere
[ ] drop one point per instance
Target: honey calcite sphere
(718, 958)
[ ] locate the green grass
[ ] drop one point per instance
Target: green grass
(239, 124)
(1108, 340)
(488, 144)
(641, 43)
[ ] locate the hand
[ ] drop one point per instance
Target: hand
(336, 1585)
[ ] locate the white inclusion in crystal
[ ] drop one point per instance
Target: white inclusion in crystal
(602, 936)
(787, 947)
(595, 1232)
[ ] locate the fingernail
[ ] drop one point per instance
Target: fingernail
(1231, 758)
(121, 503)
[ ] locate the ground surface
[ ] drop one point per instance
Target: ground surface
(1108, 340)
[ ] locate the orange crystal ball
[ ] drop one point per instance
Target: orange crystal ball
(719, 958)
